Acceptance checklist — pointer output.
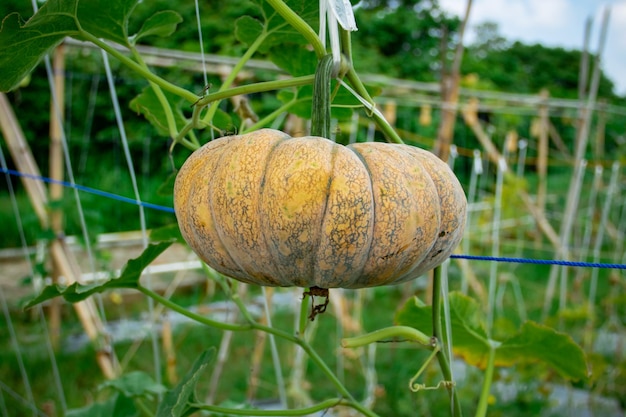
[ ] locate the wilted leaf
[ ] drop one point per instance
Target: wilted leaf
(176, 401)
(129, 278)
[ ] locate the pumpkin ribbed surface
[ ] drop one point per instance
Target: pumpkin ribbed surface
(273, 210)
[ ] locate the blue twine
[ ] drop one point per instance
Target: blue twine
(88, 190)
(171, 210)
(540, 261)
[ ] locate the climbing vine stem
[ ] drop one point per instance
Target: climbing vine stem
(442, 357)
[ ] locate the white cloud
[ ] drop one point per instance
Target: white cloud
(554, 23)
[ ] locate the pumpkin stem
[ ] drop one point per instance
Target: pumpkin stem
(320, 114)
(320, 308)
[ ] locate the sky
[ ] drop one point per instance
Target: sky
(555, 23)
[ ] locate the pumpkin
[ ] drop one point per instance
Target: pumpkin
(269, 209)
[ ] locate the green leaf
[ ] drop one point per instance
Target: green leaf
(24, 43)
(533, 342)
(159, 24)
(176, 401)
(149, 105)
(469, 337)
(275, 29)
(168, 232)
(538, 342)
(129, 278)
(135, 384)
(248, 29)
(295, 59)
(106, 18)
(117, 405)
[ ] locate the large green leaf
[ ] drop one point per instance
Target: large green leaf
(538, 342)
(275, 29)
(469, 337)
(24, 43)
(532, 342)
(295, 59)
(107, 19)
(176, 401)
(129, 278)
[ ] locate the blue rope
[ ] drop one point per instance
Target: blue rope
(88, 190)
(171, 210)
(540, 261)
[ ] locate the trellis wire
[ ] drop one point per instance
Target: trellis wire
(521, 163)
(18, 353)
(39, 309)
(282, 393)
(142, 216)
(600, 236)
(70, 176)
(5, 388)
(495, 238)
(200, 37)
(477, 169)
(505, 259)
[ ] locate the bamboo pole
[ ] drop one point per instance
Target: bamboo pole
(600, 129)
(55, 190)
(450, 95)
(542, 158)
(59, 251)
(558, 141)
(582, 139)
(471, 119)
(170, 352)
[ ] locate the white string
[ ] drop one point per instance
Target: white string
(142, 216)
(202, 56)
(70, 176)
(282, 394)
(18, 353)
(42, 318)
(4, 387)
(495, 249)
(445, 294)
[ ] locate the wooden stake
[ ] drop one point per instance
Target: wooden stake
(600, 128)
(170, 352)
(55, 190)
(542, 158)
(471, 119)
(450, 95)
(558, 141)
(59, 251)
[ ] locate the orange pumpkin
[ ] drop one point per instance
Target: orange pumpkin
(272, 210)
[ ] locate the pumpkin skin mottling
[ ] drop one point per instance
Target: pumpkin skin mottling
(273, 210)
